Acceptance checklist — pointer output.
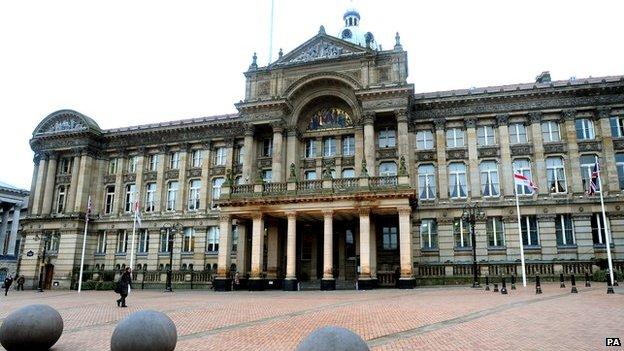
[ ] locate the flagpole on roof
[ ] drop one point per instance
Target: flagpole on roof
(520, 237)
(84, 244)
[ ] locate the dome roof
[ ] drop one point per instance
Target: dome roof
(352, 32)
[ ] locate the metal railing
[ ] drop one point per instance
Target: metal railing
(275, 188)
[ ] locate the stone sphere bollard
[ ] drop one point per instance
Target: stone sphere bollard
(33, 327)
(143, 331)
(333, 338)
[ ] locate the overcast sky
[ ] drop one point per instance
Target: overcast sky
(134, 62)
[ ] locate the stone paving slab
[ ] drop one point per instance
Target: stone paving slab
(441, 318)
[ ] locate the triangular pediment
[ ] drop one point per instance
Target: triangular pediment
(320, 47)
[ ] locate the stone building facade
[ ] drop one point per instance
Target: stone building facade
(13, 207)
(334, 170)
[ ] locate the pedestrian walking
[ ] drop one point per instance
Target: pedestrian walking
(20, 282)
(124, 286)
(7, 283)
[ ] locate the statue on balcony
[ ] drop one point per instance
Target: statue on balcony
(364, 172)
(402, 167)
(293, 175)
(327, 172)
(329, 118)
(228, 177)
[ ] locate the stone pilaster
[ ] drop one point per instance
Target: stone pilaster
(442, 177)
(548, 236)
(328, 247)
(291, 246)
(205, 178)
(405, 242)
(272, 249)
(83, 188)
(39, 184)
(14, 228)
(292, 150)
(369, 142)
(506, 167)
(250, 151)
(225, 246)
(278, 147)
(3, 227)
(609, 176)
(403, 136)
(160, 199)
(583, 235)
(538, 162)
(182, 200)
(572, 162)
(48, 193)
(73, 187)
(473, 159)
(119, 187)
(359, 149)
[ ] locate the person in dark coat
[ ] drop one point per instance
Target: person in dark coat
(125, 284)
(7, 283)
(20, 282)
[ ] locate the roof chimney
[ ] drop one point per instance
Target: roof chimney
(544, 77)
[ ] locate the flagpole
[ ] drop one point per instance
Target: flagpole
(606, 229)
(520, 237)
(84, 244)
(133, 233)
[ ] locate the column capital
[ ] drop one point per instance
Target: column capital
(223, 217)
(293, 131)
(569, 114)
(404, 210)
(439, 123)
(257, 215)
(502, 119)
(368, 117)
(401, 115)
(603, 112)
(291, 214)
(249, 129)
(535, 117)
(278, 126)
(163, 149)
(364, 211)
(471, 122)
(328, 213)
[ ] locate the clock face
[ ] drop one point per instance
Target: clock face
(346, 34)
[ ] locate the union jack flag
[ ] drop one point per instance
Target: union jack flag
(593, 182)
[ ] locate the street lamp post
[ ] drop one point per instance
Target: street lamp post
(170, 230)
(46, 239)
(471, 213)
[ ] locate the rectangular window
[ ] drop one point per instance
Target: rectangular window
(212, 239)
(267, 175)
(461, 233)
(555, 174)
(188, 242)
(489, 179)
(216, 189)
(60, 199)
(348, 173)
(174, 160)
(65, 165)
(617, 127)
(241, 155)
(424, 140)
(457, 181)
(54, 243)
(454, 137)
(619, 165)
(389, 238)
(194, 194)
(485, 136)
(310, 148)
(598, 229)
(132, 164)
(310, 175)
(197, 158)
(130, 197)
(587, 166)
(172, 194)
(517, 133)
(495, 231)
(234, 238)
(550, 131)
(101, 242)
(122, 241)
(348, 145)
(112, 166)
(267, 147)
(585, 129)
(164, 242)
(219, 158)
(429, 234)
(110, 199)
(564, 230)
(387, 138)
(523, 166)
(143, 241)
(530, 232)
(150, 197)
(329, 147)
(426, 182)
(152, 164)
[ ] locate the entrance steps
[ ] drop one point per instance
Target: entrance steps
(316, 285)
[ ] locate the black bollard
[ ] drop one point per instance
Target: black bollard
(504, 287)
(573, 282)
(495, 287)
(538, 287)
(609, 285)
(587, 283)
(513, 282)
(487, 283)
(562, 285)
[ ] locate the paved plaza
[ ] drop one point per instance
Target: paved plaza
(439, 318)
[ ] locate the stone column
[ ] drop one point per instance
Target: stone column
(365, 281)
(583, 235)
(573, 162)
(369, 142)
(407, 280)
(359, 149)
(3, 226)
(442, 178)
(290, 283)
(37, 194)
(277, 159)
(328, 282)
(48, 193)
(609, 176)
(272, 248)
(182, 200)
(248, 162)
(292, 151)
(119, 185)
(538, 162)
(506, 168)
(14, 228)
(474, 180)
(241, 248)
(403, 135)
(257, 252)
(83, 186)
(73, 187)
(223, 282)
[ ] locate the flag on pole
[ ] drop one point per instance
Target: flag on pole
(592, 188)
(137, 213)
(524, 181)
(88, 213)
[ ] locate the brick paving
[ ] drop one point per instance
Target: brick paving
(442, 318)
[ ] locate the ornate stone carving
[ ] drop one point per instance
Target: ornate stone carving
(489, 151)
(387, 153)
(217, 170)
(309, 163)
(348, 161)
(502, 119)
(320, 50)
(172, 174)
(329, 162)
(129, 177)
(110, 178)
(364, 170)
(265, 162)
(535, 117)
(456, 154)
(470, 122)
(554, 148)
(402, 167)
(569, 114)
(150, 176)
(618, 144)
(66, 124)
(589, 145)
(603, 112)
(63, 179)
(401, 115)
(194, 172)
(249, 129)
(426, 155)
(439, 123)
(368, 117)
(521, 150)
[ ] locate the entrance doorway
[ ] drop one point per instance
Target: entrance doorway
(48, 275)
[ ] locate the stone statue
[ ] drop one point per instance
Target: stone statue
(364, 172)
(292, 176)
(402, 167)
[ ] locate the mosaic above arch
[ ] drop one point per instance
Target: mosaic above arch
(330, 118)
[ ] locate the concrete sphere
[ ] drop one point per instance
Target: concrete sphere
(145, 331)
(33, 327)
(333, 338)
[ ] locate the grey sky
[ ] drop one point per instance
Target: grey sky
(133, 62)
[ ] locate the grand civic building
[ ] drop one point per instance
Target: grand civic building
(335, 173)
